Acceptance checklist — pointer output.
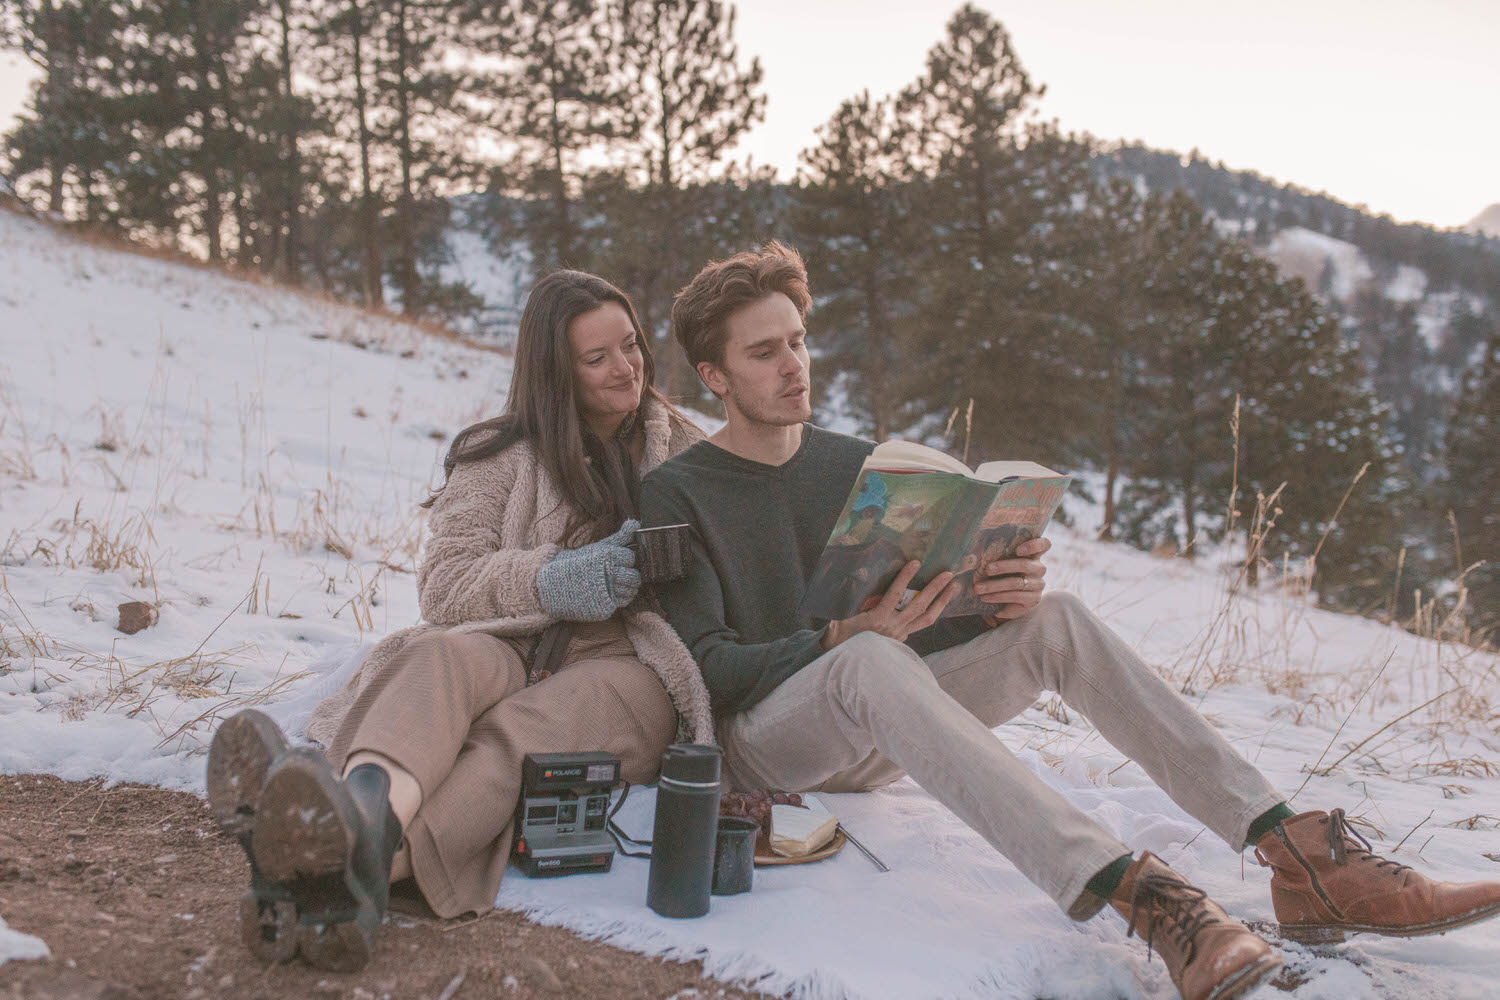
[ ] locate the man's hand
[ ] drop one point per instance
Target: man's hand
(1015, 585)
(884, 617)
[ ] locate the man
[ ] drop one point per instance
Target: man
(853, 704)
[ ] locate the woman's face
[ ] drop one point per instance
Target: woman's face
(608, 366)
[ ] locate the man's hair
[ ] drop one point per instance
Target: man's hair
(723, 287)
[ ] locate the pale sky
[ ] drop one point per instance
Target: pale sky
(1388, 104)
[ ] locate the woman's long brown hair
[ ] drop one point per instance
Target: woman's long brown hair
(596, 479)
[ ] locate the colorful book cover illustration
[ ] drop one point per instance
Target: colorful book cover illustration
(914, 502)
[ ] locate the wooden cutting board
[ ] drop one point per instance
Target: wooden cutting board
(765, 857)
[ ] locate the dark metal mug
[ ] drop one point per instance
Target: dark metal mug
(734, 855)
(661, 554)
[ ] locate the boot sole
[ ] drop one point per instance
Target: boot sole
(1336, 933)
(239, 758)
(339, 947)
(305, 835)
(243, 750)
(268, 929)
(1247, 980)
(305, 824)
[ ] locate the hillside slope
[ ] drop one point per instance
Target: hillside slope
(248, 461)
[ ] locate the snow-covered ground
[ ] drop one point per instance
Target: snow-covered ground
(500, 281)
(1306, 254)
(249, 461)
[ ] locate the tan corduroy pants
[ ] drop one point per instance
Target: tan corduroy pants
(870, 710)
(455, 711)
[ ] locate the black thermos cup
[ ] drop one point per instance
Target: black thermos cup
(682, 839)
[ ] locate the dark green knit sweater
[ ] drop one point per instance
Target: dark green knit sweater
(760, 530)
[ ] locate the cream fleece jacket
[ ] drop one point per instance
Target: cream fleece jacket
(494, 525)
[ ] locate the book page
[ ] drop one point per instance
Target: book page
(910, 455)
(993, 472)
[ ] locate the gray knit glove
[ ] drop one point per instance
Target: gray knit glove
(590, 583)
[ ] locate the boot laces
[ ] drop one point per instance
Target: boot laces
(1343, 838)
(1174, 902)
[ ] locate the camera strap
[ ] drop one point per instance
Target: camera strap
(621, 838)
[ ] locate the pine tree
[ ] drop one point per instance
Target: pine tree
(688, 102)
(852, 214)
(70, 137)
(1401, 368)
(995, 183)
(209, 84)
(1247, 389)
(552, 96)
(294, 120)
(1309, 423)
(345, 57)
(1472, 480)
(170, 120)
(1104, 280)
(417, 91)
(1182, 401)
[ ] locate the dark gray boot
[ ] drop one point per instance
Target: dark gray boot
(329, 843)
(243, 750)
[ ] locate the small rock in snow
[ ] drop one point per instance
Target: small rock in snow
(136, 615)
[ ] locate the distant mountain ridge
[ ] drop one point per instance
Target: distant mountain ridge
(1486, 223)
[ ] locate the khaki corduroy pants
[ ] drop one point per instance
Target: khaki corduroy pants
(455, 711)
(870, 710)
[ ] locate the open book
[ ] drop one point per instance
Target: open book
(914, 502)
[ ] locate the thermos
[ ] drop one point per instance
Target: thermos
(682, 839)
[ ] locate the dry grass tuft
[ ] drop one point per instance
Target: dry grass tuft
(325, 519)
(19, 637)
(79, 542)
(137, 690)
(1462, 767)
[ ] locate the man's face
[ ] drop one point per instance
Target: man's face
(765, 374)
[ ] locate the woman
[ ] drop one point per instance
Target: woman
(528, 540)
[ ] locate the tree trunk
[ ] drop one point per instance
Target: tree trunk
(213, 214)
(1111, 474)
(406, 254)
(291, 265)
(1112, 451)
(247, 246)
(663, 84)
(55, 85)
(1189, 514)
(368, 219)
(55, 188)
(879, 327)
(1189, 481)
(563, 238)
(213, 209)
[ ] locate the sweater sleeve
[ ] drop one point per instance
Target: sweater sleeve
(465, 574)
(738, 674)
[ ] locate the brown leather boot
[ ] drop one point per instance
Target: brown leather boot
(1326, 882)
(1209, 955)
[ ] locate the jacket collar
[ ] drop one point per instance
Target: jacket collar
(658, 423)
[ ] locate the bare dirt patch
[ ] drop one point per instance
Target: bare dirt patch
(135, 890)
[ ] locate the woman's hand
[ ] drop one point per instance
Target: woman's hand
(591, 583)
